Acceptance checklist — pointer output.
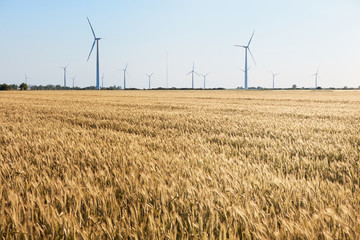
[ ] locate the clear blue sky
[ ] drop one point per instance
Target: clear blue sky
(292, 38)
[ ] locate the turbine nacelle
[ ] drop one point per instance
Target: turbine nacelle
(193, 72)
(204, 75)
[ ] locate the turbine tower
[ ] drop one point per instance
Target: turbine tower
(102, 81)
(73, 80)
(316, 77)
(65, 74)
(125, 71)
(247, 49)
(244, 71)
(204, 79)
(150, 75)
(167, 69)
(96, 41)
(274, 75)
(192, 75)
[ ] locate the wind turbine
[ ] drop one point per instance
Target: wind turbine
(96, 40)
(247, 49)
(274, 75)
(73, 80)
(102, 81)
(64, 74)
(204, 78)
(167, 69)
(125, 71)
(316, 77)
(192, 74)
(150, 75)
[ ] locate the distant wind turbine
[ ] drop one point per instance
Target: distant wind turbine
(167, 69)
(192, 74)
(73, 81)
(125, 71)
(247, 49)
(204, 79)
(316, 77)
(274, 75)
(150, 75)
(64, 74)
(96, 40)
(102, 81)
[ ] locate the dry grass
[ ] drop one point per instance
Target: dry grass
(180, 165)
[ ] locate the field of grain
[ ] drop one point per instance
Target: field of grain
(180, 164)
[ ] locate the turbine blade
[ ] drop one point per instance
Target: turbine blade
(189, 73)
(126, 66)
(252, 57)
(91, 27)
(251, 38)
(91, 49)
(239, 46)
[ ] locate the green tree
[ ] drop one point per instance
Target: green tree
(23, 86)
(5, 87)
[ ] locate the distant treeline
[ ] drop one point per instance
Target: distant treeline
(24, 86)
(9, 87)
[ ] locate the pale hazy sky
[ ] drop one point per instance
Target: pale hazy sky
(292, 38)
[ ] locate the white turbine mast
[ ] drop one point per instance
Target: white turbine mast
(274, 75)
(73, 81)
(65, 68)
(192, 75)
(316, 78)
(125, 72)
(149, 75)
(204, 76)
(102, 81)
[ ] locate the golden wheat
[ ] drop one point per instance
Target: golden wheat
(180, 164)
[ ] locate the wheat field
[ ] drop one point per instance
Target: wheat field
(180, 164)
